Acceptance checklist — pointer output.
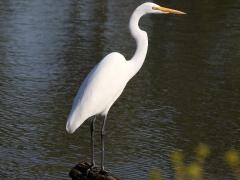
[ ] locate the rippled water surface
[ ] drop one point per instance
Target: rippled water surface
(187, 92)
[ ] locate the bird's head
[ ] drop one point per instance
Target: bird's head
(153, 8)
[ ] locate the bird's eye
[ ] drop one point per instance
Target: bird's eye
(154, 8)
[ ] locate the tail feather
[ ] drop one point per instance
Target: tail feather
(74, 121)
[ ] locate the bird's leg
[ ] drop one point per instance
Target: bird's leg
(92, 128)
(102, 142)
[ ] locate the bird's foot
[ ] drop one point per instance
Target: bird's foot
(84, 165)
(93, 165)
(103, 172)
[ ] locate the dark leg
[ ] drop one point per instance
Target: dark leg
(102, 142)
(92, 127)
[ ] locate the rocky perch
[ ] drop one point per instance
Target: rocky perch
(83, 171)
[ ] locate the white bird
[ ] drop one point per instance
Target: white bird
(105, 83)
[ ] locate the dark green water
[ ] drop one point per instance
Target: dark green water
(187, 92)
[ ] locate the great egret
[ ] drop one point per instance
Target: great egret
(105, 83)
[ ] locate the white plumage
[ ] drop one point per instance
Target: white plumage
(99, 90)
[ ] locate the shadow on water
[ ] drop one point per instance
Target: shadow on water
(187, 91)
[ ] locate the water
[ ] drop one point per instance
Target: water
(187, 92)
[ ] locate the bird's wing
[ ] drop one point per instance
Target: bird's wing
(100, 88)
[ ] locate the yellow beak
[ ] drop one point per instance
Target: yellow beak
(168, 10)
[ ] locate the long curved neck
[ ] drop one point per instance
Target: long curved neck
(141, 40)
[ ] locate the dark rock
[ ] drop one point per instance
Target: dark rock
(84, 171)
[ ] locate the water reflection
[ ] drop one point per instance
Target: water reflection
(187, 91)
